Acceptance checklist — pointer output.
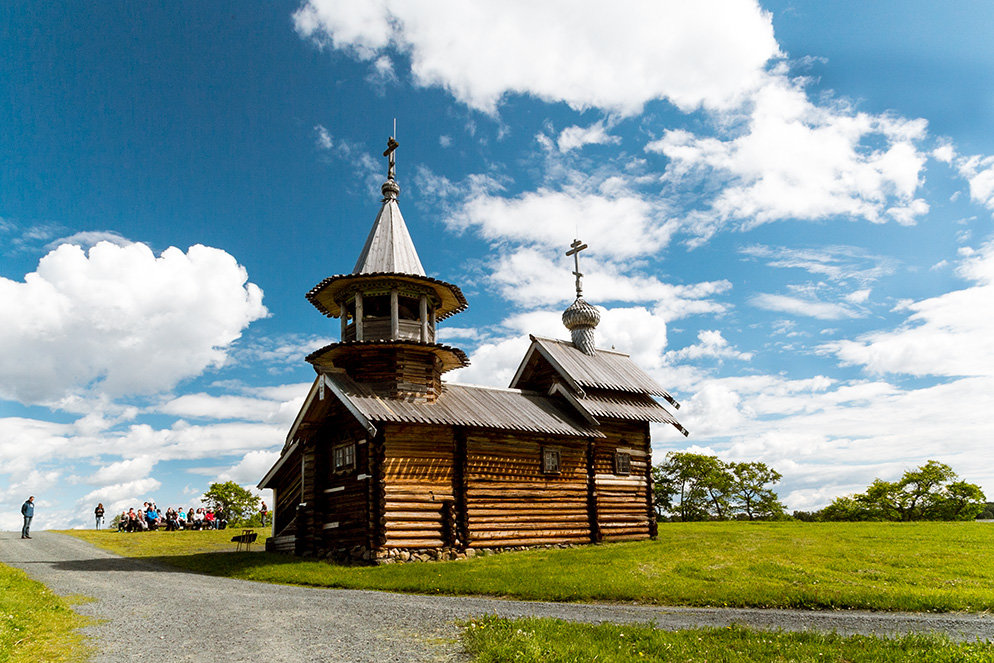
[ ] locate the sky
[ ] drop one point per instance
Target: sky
(788, 207)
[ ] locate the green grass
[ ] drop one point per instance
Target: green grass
(493, 639)
(35, 624)
(920, 567)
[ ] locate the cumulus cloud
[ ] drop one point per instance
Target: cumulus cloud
(701, 53)
(826, 436)
(785, 157)
(251, 468)
(121, 320)
(712, 345)
(572, 138)
(620, 224)
(245, 408)
(979, 173)
(122, 496)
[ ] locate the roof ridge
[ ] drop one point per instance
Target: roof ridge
(570, 344)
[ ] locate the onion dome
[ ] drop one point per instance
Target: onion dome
(581, 319)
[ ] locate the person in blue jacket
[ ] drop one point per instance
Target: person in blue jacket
(28, 511)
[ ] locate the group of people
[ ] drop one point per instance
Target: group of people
(150, 518)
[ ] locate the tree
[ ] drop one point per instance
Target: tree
(694, 480)
(692, 486)
(749, 492)
(235, 502)
(929, 492)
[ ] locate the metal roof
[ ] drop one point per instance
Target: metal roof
(606, 369)
(466, 405)
(632, 407)
(389, 248)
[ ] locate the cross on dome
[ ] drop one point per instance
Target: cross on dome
(574, 251)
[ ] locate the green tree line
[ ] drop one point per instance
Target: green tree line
(689, 487)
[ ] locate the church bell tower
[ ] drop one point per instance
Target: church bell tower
(388, 309)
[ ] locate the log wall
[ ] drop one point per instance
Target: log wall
(400, 371)
(511, 502)
(418, 508)
(622, 503)
(286, 496)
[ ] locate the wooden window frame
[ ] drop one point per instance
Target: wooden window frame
(622, 463)
(550, 453)
(343, 458)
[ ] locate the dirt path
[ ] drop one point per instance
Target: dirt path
(157, 613)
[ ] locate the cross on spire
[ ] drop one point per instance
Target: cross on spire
(392, 145)
(574, 251)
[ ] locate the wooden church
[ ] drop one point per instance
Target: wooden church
(386, 460)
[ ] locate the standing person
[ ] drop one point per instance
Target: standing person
(28, 511)
(99, 513)
(263, 511)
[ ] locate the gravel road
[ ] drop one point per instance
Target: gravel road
(156, 613)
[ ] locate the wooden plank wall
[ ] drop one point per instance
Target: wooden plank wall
(510, 502)
(621, 501)
(418, 509)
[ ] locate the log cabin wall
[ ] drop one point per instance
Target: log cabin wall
(397, 372)
(287, 497)
(343, 479)
(510, 501)
(417, 469)
(623, 500)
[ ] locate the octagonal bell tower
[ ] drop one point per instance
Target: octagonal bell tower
(388, 309)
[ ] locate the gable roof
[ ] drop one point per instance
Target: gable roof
(605, 369)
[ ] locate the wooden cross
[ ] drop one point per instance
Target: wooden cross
(391, 163)
(574, 251)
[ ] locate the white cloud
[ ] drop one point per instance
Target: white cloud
(701, 53)
(837, 263)
(618, 224)
(979, 172)
(206, 406)
(805, 307)
(90, 238)
(712, 346)
(122, 496)
(948, 335)
(788, 158)
(120, 320)
(251, 468)
(122, 471)
(572, 138)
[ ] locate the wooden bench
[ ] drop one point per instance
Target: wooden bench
(246, 538)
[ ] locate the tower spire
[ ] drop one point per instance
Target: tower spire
(580, 318)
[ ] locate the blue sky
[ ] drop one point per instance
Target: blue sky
(788, 207)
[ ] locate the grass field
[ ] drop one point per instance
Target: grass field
(35, 624)
(924, 567)
(493, 640)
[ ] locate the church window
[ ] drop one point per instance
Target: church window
(550, 460)
(622, 463)
(344, 457)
